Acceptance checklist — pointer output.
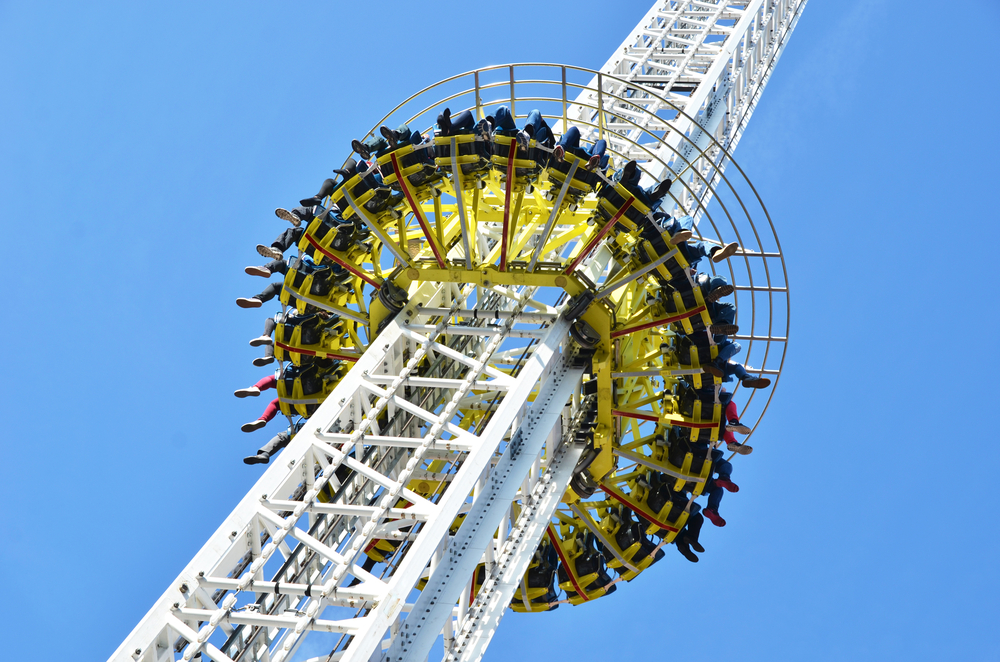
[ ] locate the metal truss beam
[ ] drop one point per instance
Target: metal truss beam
(711, 60)
(438, 598)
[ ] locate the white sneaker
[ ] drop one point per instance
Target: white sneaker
(253, 425)
(244, 302)
(263, 272)
(250, 391)
(266, 340)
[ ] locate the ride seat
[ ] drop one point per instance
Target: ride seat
(525, 164)
(472, 156)
(583, 574)
(301, 389)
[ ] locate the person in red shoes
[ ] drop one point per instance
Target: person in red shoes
(715, 486)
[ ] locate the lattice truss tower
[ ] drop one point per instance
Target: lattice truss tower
(475, 446)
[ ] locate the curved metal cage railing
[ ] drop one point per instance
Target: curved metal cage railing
(709, 184)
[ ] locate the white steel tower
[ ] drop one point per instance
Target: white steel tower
(513, 379)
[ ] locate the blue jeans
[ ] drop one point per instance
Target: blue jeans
(708, 283)
(570, 142)
(464, 121)
(731, 369)
(725, 470)
(675, 225)
(693, 251)
(721, 313)
(503, 120)
(727, 350)
(540, 130)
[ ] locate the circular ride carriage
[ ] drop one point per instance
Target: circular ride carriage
(489, 212)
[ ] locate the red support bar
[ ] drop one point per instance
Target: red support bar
(506, 205)
(354, 270)
(620, 498)
(657, 322)
(600, 235)
(416, 210)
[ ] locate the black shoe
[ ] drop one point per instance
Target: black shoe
(756, 382)
(390, 136)
(686, 551)
(629, 171)
(662, 189)
(724, 329)
(444, 122)
(361, 149)
(694, 543)
(260, 458)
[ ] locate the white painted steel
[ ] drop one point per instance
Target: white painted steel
(711, 60)
(465, 549)
(491, 603)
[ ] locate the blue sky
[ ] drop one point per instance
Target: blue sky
(144, 146)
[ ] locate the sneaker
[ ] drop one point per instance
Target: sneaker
(267, 251)
(742, 449)
(727, 485)
(712, 370)
(523, 140)
(710, 513)
(558, 153)
(593, 161)
(253, 425)
(389, 135)
(266, 340)
(756, 382)
(260, 458)
(262, 361)
(250, 391)
(252, 302)
(263, 272)
(724, 252)
(286, 215)
(361, 149)
(724, 329)
(680, 237)
(719, 292)
(483, 131)
(685, 551)
(736, 426)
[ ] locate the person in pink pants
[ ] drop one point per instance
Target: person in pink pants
(253, 391)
